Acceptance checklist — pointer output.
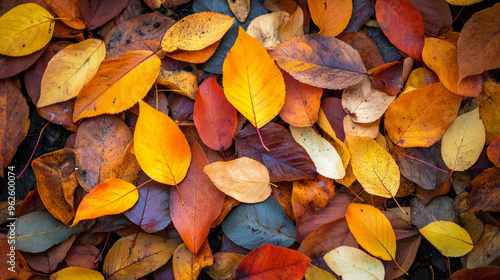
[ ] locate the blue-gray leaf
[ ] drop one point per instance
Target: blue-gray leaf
(214, 64)
(253, 225)
(38, 231)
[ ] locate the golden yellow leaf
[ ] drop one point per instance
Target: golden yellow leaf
(420, 117)
(243, 179)
(372, 230)
(463, 2)
(325, 157)
(253, 83)
(196, 32)
(188, 266)
(184, 82)
(375, 169)
(463, 142)
(25, 29)
(137, 255)
(118, 84)
(69, 70)
(113, 196)
(489, 109)
(315, 273)
(160, 147)
(353, 264)
(77, 273)
(331, 16)
(449, 238)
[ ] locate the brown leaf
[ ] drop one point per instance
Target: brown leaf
(436, 14)
(94, 157)
(368, 50)
(68, 11)
(11, 65)
(14, 112)
(82, 255)
(485, 191)
(47, 261)
(96, 13)
(319, 193)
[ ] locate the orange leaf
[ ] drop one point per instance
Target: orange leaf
(118, 84)
(202, 203)
(196, 32)
(302, 102)
(160, 147)
(240, 9)
(493, 151)
(214, 117)
(331, 16)
(372, 230)
(187, 266)
(318, 192)
(69, 11)
(252, 81)
(113, 196)
(273, 262)
(419, 118)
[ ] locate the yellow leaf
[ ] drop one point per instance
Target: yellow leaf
(449, 238)
(243, 179)
(315, 273)
(25, 29)
(372, 230)
(463, 142)
(77, 273)
(113, 196)
(331, 16)
(253, 83)
(420, 117)
(160, 147)
(463, 2)
(325, 157)
(196, 32)
(69, 70)
(353, 264)
(135, 256)
(375, 169)
(188, 266)
(118, 84)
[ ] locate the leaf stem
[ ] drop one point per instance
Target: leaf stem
(408, 156)
(100, 254)
(33, 153)
(261, 141)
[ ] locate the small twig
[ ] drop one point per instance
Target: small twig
(33, 153)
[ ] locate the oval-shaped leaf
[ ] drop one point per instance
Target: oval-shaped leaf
(77, 273)
(308, 59)
(243, 179)
(69, 70)
(25, 29)
(489, 109)
(463, 141)
(118, 84)
(353, 264)
(273, 262)
(253, 225)
(38, 231)
(214, 117)
(419, 118)
(286, 160)
(188, 266)
(240, 9)
(449, 238)
(137, 255)
(402, 25)
(196, 32)
(331, 16)
(372, 230)
(96, 13)
(375, 169)
(113, 196)
(201, 205)
(252, 81)
(160, 147)
(324, 155)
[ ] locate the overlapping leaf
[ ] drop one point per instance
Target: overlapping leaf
(69, 70)
(449, 238)
(160, 147)
(118, 84)
(252, 82)
(113, 196)
(187, 265)
(25, 29)
(352, 263)
(77, 273)
(307, 59)
(330, 16)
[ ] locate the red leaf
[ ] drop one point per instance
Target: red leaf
(214, 117)
(402, 25)
(273, 262)
(202, 202)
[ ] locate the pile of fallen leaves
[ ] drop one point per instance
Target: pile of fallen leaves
(308, 139)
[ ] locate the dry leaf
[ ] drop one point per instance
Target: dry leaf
(449, 238)
(353, 264)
